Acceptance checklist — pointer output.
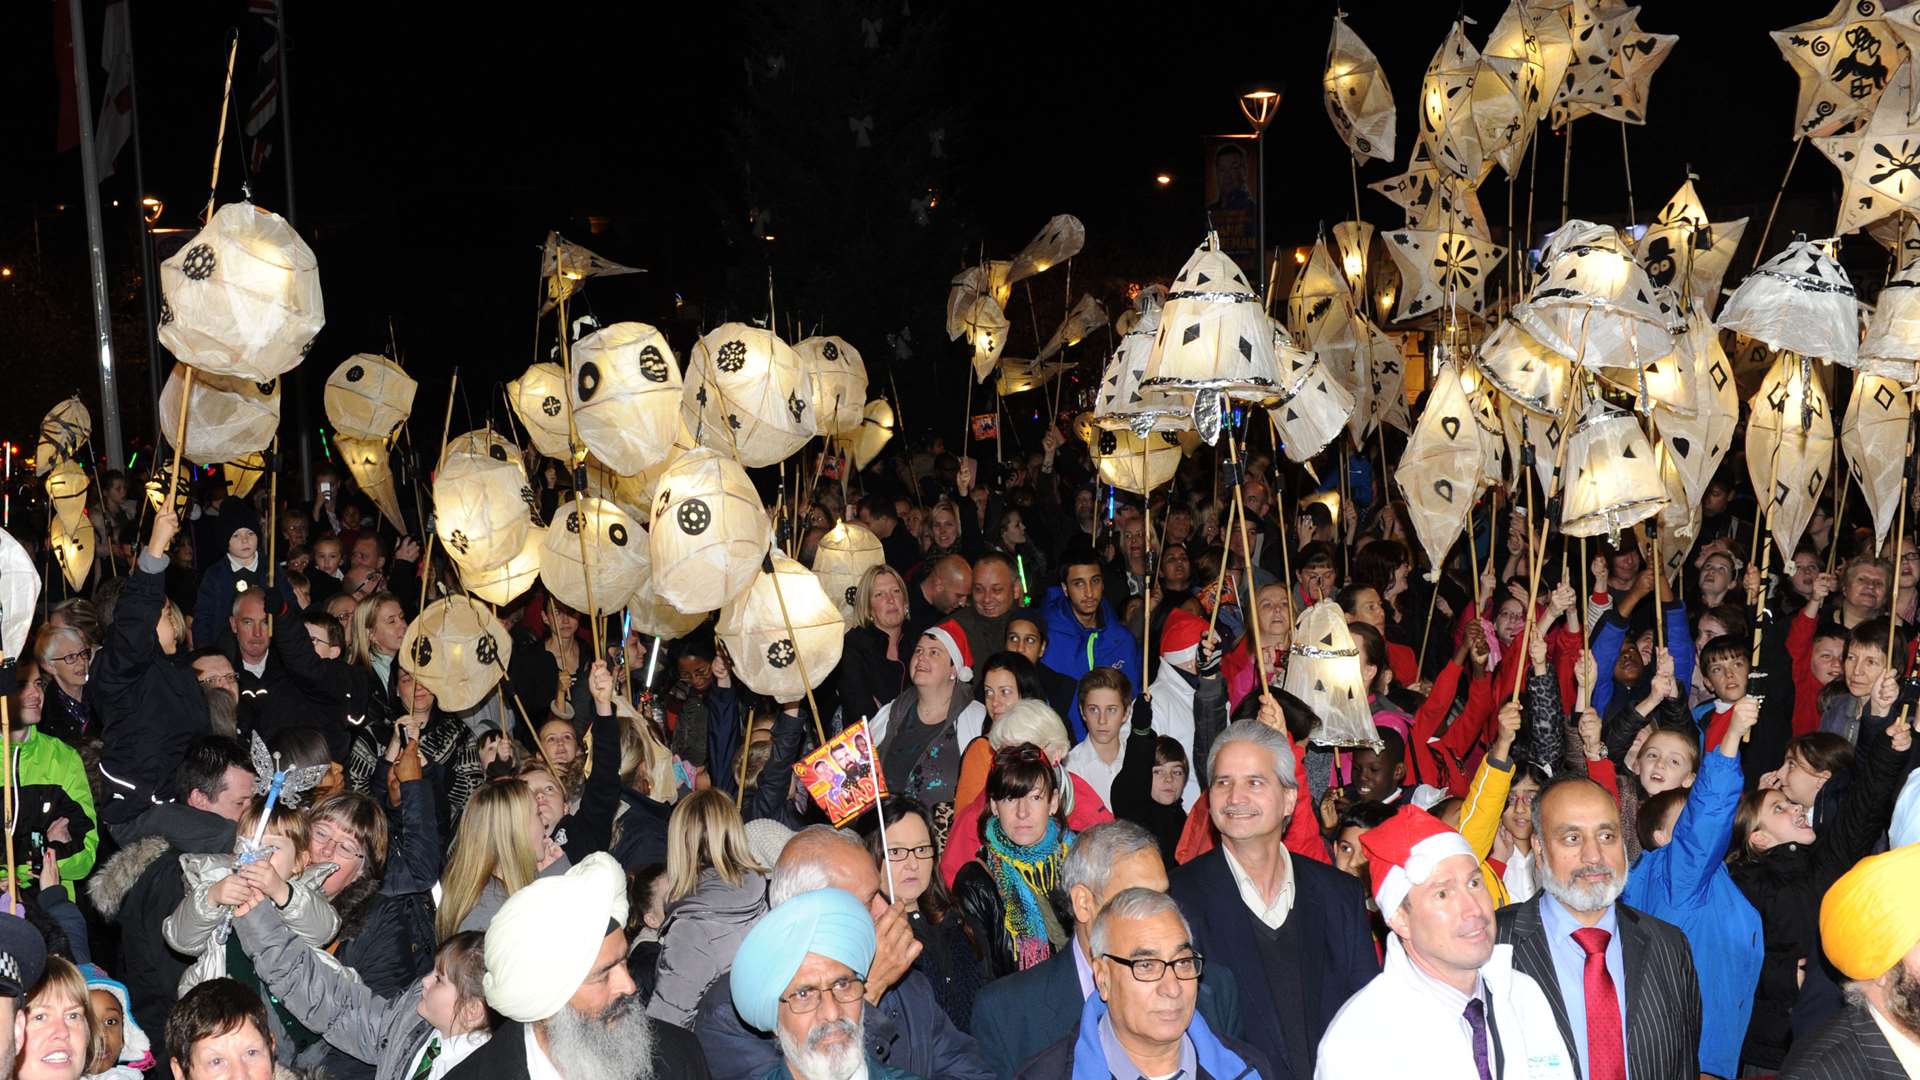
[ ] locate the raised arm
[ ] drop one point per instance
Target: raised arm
(591, 829)
(315, 988)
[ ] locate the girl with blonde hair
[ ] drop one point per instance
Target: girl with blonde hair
(716, 891)
(498, 851)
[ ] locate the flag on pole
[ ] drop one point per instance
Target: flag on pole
(264, 36)
(115, 125)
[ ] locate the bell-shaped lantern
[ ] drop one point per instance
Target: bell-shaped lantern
(67, 491)
(243, 297)
(66, 429)
(626, 395)
(709, 531)
(539, 399)
(369, 397)
(1323, 670)
(227, 417)
(1892, 347)
(1613, 478)
(1593, 304)
(1119, 401)
(19, 590)
(614, 553)
(1799, 301)
(372, 469)
(747, 395)
(1524, 370)
(865, 442)
(483, 505)
(1136, 463)
(504, 583)
(73, 551)
(839, 383)
(846, 553)
(458, 650)
(782, 626)
(1215, 341)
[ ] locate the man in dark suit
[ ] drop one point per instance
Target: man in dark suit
(1871, 933)
(1293, 932)
(1018, 1016)
(1621, 982)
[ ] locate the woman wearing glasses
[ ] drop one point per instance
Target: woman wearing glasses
(907, 860)
(66, 656)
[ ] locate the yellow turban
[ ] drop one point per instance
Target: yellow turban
(1868, 920)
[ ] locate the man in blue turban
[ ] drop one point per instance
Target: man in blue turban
(801, 974)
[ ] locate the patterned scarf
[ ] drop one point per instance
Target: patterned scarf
(1027, 878)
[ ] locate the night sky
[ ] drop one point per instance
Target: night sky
(433, 151)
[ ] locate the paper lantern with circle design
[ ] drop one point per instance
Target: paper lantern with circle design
(539, 399)
(848, 551)
(504, 583)
(615, 556)
(369, 397)
(626, 395)
(458, 650)
(66, 429)
(372, 469)
(483, 505)
(709, 531)
(19, 589)
(839, 383)
(73, 551)
(865, 442)
(243, 297)
(747, 395)
(226, 417)
(67, 491)
(770, 650)
(1133, 462)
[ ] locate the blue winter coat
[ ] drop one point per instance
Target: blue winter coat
(1611, 635)
(1686, 883)
(1072, 649)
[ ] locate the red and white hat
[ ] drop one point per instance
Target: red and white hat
(1180, 637)
(1404, 852)
(954, 640)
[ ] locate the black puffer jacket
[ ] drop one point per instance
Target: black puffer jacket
(148, 703)
(978, 900)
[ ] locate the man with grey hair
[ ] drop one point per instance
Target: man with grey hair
(1020, 1015)
(1142, 1021)
(1294, 932)
(904, 1026)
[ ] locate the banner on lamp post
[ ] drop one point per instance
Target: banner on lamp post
(1232, 198)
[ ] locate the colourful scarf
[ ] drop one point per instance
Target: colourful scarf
(1027, 878)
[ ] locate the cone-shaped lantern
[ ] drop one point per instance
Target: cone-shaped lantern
(1613, 478)
(709, 531)
(781, 626)
(504, 583)
(457, 649)
(1798, 301)
(73, 551)
(368, 397)
(848, 551)
(1087, 316)
(372, 469)
(1873, 435)
(1593, 304)
(626, 395)
(615, 553)
(1215, 341)
(229, 417)
(67, 491)
(243, 297)
(839, 383)
(747, 395)
(483, 505)
(539, 399)
(1060, 239)
(1323, 670)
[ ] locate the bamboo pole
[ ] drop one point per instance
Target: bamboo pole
(179, 489)
(1767, 230)
(219, 144)
(446, 434)
(1246, 547)
(799, 654)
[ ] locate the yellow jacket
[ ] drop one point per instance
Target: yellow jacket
(1480, 815)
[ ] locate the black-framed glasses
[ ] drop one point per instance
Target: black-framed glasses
(845, 990)
(899, 854)
(219, 680)
(1150, 969)
(72, 658)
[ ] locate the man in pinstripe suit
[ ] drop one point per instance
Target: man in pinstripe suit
(1621, 982)
(1871, 933)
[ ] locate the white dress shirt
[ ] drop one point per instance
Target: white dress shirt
(1273, 914)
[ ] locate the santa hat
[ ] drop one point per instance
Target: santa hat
(1404, 852)
(1180, 637)
(954, 640)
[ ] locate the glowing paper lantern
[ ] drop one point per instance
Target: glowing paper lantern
(1319, 305)
(66, 429)
(1684, 251)
(67, 491)
(1323, 670)
(227, 417)
(747, 394)
(243, 472)
(1060, 239)
(1799, 301)
(709, 531)
(1876, 162)
(73, 551)
(504, 583)
(1470, 110)
(782, 626)
(848, 551)
(243, 297)
(1441, 270)
(372, 469)
(1613, 478)
(457, 649)
(1353, 239)
(1214, 342)
(369, 397)
(626, 395)
(650, 615)
(1087, 316)
(19, 589)
(483, 505)
(539, 399)
(1527, 372)
(839, 383)
(865, 442)
(615, 561)
(1312, 406)
(1020, 376)
(1359, 102)
(629, 493)
(1696, 440)
(1612, 64)
(1119, 401)
(1874, 437)
(566, 267)
(1789, 448)
(643, 485)
(1892, 347)
(1435, 198)
(1440, 473)
(1133, 462)
(1844, 62)
(1593, 304)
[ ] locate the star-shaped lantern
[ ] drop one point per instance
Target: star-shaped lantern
(1358, 100)
(1612, 64)
(1472, 107)
(1441, 269)
(1844, 61)
(1880, 163)
(1685, 252)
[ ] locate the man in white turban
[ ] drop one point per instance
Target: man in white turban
(802, 975)
(557, 970)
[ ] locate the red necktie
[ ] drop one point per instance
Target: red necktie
(1606, 1052)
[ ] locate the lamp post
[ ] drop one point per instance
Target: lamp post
(1259, 106)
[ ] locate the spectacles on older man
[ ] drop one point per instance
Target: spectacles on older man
(847, 988)
(1150, 969)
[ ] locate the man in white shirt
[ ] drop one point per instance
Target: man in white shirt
(1103, 696)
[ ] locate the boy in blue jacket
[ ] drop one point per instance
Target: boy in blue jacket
(1082, 631)
(1682, 878)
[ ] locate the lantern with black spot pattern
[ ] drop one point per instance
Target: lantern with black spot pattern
(483, 506)
(457, 649)
(626, 395)
(614, 552)
(844, 555)
(709, 531)
(369, 397)
(775, 640)
(231, 417)
(244, 295)
(538, 398)
(747, 395)
(839, 383)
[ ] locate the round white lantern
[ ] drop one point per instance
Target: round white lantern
(615, 556)
(503, 583)
(626, 395)
(243, 297)
(482, 503)
(865, 442)
(709, 531)
(457, 649)
(650, 615)
(369, 397)
(747, 395)
(539, 399)
(19, 589)
(839, 383)
(1132, 463)
(846, 553)
(774, 639)
(226, 417)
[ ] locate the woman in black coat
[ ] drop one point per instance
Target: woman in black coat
(873, 669)
(909, 863)
(1016, 908)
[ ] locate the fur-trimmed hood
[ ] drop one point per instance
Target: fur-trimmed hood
(109, 885)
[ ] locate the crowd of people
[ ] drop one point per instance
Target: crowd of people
(1607, 825)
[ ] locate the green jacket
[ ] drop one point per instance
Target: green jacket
(44, 761)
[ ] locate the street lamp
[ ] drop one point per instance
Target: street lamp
(1259, 106)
